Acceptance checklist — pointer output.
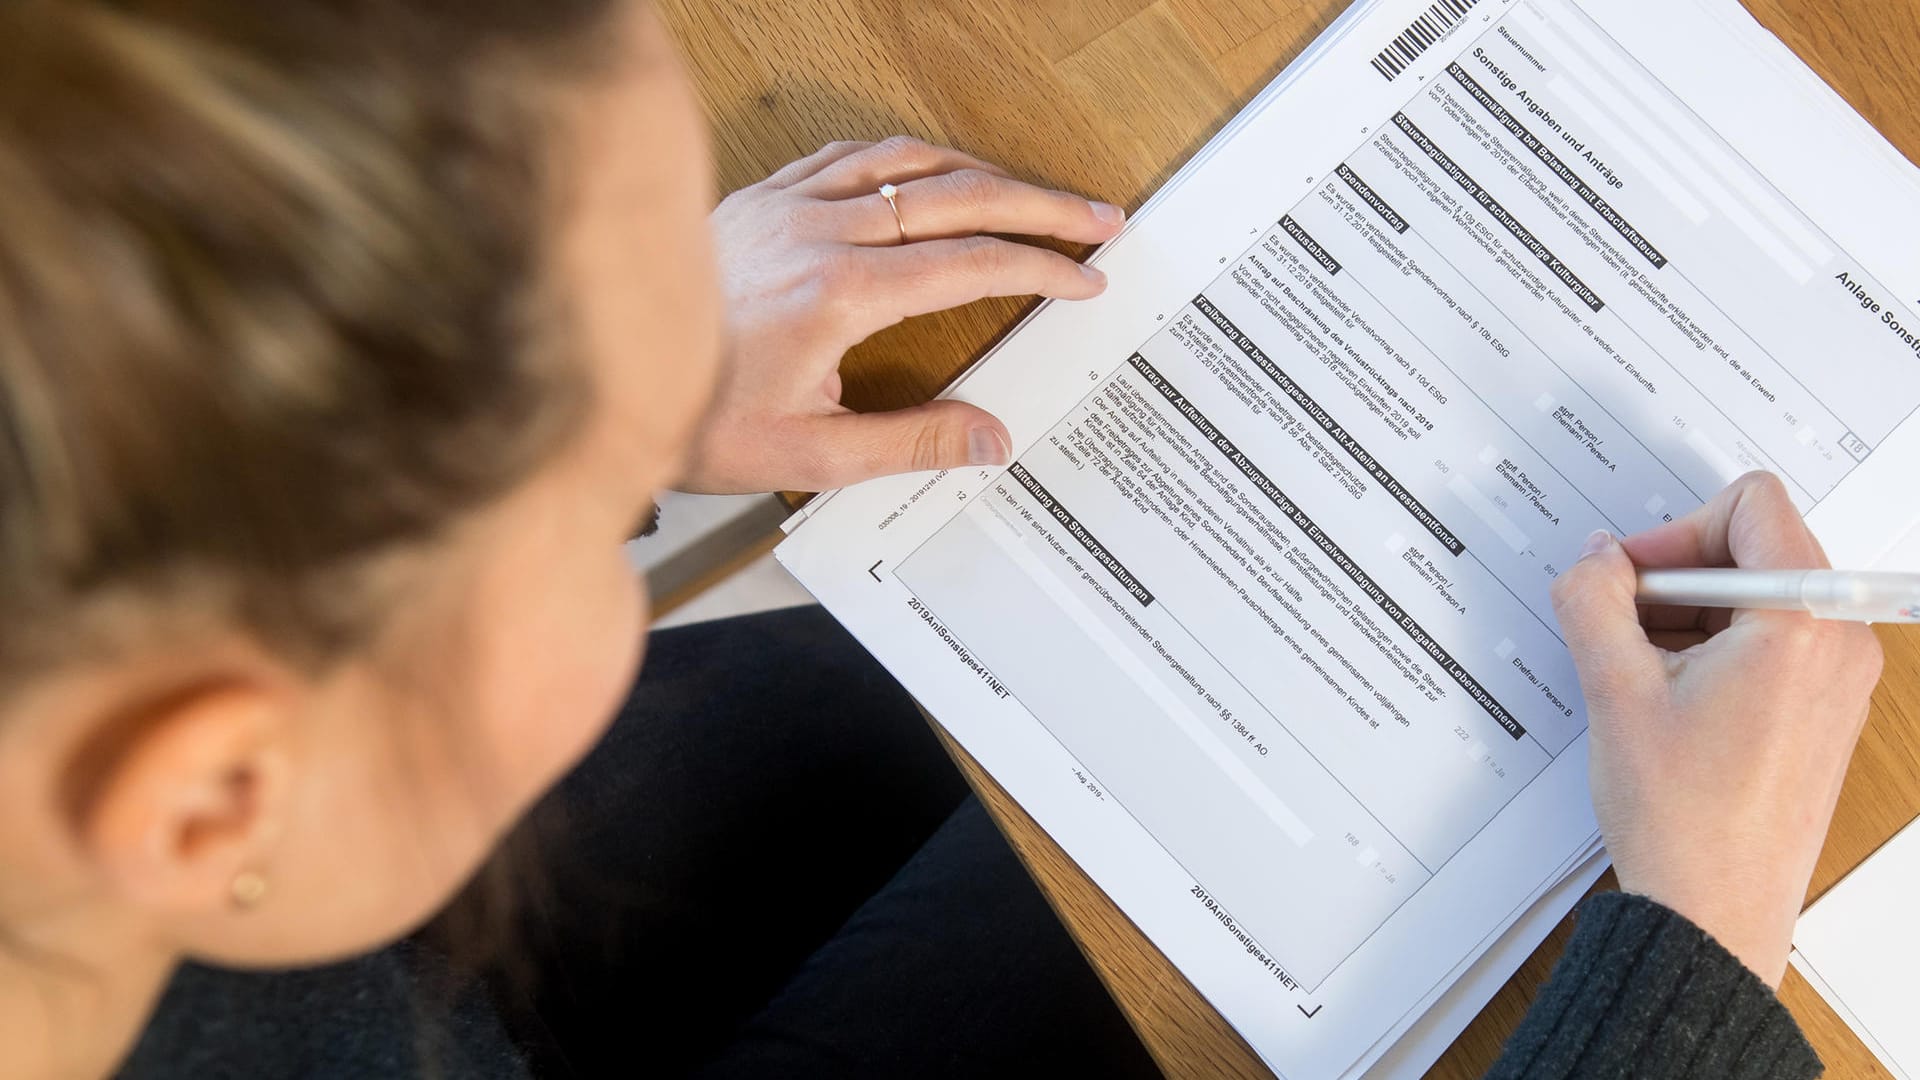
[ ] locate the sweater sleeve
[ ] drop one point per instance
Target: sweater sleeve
(1643, 993)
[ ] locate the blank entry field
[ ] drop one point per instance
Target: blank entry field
(1722, 463)
(1484, 509)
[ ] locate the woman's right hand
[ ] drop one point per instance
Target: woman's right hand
(1719, 740)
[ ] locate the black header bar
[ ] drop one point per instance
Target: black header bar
(1310, 246)
(1079, 532)
(1500, 213)
(1558, 168)
(1371, 197)
(1345, 440)
(1334, 553)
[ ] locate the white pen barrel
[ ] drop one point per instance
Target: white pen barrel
(1776, 589)
(1835, 594)
(1826, 594)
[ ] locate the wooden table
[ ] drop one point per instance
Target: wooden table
(1108, 97)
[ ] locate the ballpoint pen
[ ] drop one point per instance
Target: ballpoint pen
(1855, 595)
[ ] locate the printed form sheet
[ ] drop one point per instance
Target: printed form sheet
(1257, 625)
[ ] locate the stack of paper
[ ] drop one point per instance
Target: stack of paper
(1257, 626)
(1860, 945)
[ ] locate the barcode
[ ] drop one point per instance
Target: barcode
(1413, 41)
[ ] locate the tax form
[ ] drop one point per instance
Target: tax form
(1257, 624)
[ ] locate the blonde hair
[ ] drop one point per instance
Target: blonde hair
(270, 299)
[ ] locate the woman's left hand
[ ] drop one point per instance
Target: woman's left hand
(812, 262)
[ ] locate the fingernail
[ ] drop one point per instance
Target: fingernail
(1109, 213)
(1600, 541)
(1097, 276)
(986, 447)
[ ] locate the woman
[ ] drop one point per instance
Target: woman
(342, 344)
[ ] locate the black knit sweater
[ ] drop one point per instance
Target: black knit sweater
(1640, 993)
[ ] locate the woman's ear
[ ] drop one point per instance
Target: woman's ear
(177, 801)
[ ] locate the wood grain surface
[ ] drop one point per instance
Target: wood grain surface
(1108, 97)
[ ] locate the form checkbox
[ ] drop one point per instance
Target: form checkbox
(1396, 544)
(1504, 649)
(1655, 505)
(1489, 455)
(1545, 402)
